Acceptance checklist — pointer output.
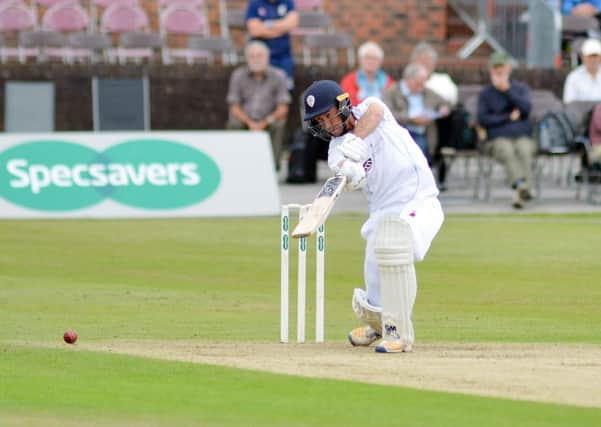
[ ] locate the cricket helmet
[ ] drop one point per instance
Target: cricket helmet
(319, 98)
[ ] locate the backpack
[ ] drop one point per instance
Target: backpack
(455, 131)
(296, 160)
(555, 133)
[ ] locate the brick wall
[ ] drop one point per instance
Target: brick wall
(396, 25)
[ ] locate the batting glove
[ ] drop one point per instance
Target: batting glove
(354, 148)
(355, 175)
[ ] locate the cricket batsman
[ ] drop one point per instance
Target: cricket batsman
(378, 156)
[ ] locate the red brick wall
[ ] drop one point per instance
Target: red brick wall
(396, 25)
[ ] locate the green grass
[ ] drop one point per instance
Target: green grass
(493, 279)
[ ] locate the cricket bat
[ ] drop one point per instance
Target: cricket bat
(321, 207)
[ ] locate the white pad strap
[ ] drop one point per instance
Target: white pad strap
(398, 283)
(367, 312)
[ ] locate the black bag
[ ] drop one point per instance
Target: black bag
(555, 133)
(455, 131)
(296, 161)
(469, 136)
(305, 151)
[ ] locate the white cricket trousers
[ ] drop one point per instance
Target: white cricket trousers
(425, 217)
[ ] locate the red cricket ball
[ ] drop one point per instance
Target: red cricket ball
(70, 336)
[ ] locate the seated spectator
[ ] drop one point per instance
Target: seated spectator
(452, 129)
(416, 107)
(503, 110)
(369, 79)
(258, 97)
(584, 82)
(271, 22)
(441, 83)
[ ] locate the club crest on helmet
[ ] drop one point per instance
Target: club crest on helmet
(310, 100)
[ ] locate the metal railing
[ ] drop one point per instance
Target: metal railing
(528, 30)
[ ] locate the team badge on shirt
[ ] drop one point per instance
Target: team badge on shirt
(282, 9)
(367, 165)
(261, 11)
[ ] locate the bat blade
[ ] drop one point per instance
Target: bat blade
(320, 207)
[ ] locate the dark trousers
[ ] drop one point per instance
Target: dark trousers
(453, 131)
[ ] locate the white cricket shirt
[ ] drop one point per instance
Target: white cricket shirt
(397, 171)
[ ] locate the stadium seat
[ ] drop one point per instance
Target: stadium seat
(326, 47)
(45, 4)
(312, 22)
(83, 46)
(121, 18)
(212, 46)
(183, 20)
(308, 4)
(97, 7)
(233, 26)
(16, 17)
(42, 41)
(67, 16)
(139, 45)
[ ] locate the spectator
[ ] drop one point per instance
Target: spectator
(451, 129)
(503, 110)
(584, 82)
(416, 107)
(590, 8)
(369, 79)
(440, 83)
(258, 97)
(271, 22)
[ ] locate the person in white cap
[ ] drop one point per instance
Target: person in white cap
(584, 82)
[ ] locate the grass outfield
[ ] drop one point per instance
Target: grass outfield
(496, 279)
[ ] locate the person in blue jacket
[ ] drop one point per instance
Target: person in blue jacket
(271, 21)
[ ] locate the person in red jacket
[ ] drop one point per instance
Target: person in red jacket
(369, 79)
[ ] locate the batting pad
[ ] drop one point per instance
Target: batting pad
(365, 311)
(398, 283)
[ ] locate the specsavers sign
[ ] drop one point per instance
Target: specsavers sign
(137, 175)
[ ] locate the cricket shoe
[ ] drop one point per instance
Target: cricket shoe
(518, 202)
(393, 347)
(524, 192)
(363, 336)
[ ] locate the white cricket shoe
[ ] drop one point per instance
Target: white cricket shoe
(386, 346)
(363, 336)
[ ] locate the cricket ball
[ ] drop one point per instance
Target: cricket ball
(70, 336)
